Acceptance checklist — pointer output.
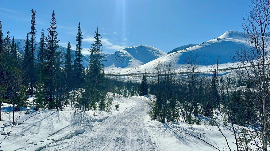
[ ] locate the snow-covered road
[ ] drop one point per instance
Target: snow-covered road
(124, 131)
(128, 128)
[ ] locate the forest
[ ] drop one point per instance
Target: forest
(55, 79)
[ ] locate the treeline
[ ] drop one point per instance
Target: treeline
(195, 97)
(241, 98)
(190, 96)
(52, 77)
(235, 99)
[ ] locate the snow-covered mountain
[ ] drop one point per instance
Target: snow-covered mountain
(127, 57)
(223, 49)
(145, 58)
(133, 56)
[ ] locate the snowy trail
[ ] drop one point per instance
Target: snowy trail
(124, 131)
(128, 129)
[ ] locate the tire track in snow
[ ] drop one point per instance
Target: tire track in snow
(185, 131)
(124, 131)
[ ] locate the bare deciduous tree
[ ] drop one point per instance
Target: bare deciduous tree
(255, 60)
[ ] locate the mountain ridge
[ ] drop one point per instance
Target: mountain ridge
(222, 50)
(133, 56)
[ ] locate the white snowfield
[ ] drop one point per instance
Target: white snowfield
(132, 56)
(129, 128)
(205, 56)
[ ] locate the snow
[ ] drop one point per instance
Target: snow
(182, 136)
(140, 59)
(205, 56)
(233, 35)
(128, 128)
(182, 48)
(133, 56)
(38, 130)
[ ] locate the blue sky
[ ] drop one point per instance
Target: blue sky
(164, 24)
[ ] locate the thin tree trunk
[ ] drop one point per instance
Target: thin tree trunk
(264, 94)
(264, 135)
(1, 111)
(13, 114)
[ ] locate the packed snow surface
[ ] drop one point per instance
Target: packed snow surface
(128, 128)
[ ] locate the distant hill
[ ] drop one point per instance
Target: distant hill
(133, 56)
(223, 49)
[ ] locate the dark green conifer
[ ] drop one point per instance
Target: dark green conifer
(78, 67)
(49, 68)
(68, 70)
(94, 85)
(143, 86)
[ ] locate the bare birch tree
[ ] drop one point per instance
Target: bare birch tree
(255, 60)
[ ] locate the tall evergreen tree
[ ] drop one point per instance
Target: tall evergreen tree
(7, 43)
(13, 51)
(4, 67)
(214, 86)
(143, 86)
(32, 50)
(15, 92)
(11, 73)
(68, 70)
(29, 57)
(78, 67)
(94, 85)
(1, 38)
(49, 69)
(40, 100)
(2, 84)
(40, 60)
(26, 60)
(59, 82)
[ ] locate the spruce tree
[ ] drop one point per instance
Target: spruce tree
(40, 100)
(49, 70)
(1, 38)
(5, 69)
(32, 74)
(214, 86)
(2, 84)
(94, 85)
(7, 43)
(68, 70)
(26, 60)
(13, 51)
(29, 57)
(78, 67)
(143, 86)
(40, 60)
(14, 89)
(12, 75)
(59, 82)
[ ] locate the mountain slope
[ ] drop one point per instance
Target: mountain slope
(208, 53)
(223, 49)
(133, 56)
(182, 48)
